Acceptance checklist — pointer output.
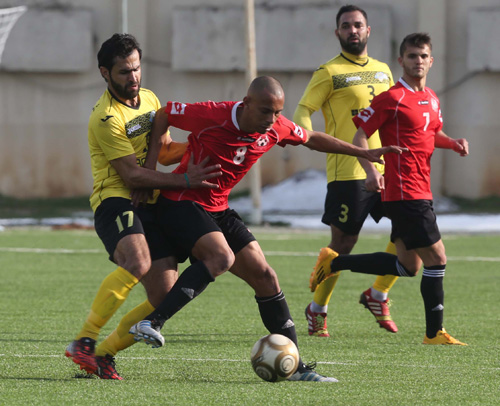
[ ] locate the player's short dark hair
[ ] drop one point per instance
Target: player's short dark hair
(417, 39)
(119, 45)
(348, 8)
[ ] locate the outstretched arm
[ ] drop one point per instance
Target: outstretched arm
(322, 142)
(374, 180)
(460, 146)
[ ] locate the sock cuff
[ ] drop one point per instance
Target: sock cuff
(276, 297)
(434, 271)
(126, 277)
(201, 266)
(402, 271)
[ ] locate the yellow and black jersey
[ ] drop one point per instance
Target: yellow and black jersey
(117, 130)
(341, 88)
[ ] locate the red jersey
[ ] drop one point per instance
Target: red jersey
(409, 119)
(215, 132)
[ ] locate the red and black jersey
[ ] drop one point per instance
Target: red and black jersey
(214, 132)
(409, 119)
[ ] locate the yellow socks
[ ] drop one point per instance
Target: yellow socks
(324, 290)
(112, 293)
(384, 283)
(120, 338)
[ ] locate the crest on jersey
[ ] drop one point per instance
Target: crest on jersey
(263, 141)
(177, 108)
(365, 114)
(381, 76)
(434, 105)
(298, 131)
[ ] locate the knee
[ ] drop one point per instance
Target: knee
(219, 262)
(344, 244)
(137, 265)
(407, 270)
(266, 275)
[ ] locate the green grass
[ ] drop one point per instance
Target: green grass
(45, 295)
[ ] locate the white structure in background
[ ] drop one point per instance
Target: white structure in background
(195, 50)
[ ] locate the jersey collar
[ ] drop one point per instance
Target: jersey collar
(126, 105)
(233, 115)
(355, 59)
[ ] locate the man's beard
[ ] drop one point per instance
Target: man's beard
(354, 48)
(122, 92)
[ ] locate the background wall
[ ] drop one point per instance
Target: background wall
(194, 50)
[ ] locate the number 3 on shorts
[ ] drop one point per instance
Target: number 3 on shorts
(343, 213)
(126, 215)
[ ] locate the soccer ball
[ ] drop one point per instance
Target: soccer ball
(275, 358)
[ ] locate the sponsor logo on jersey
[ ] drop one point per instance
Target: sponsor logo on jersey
(139, 125)
(263, 141)
(352, 79)
(423, 102)
(106, 118)
(298, 131)
(177, 108)
(134, 128)
(381, 76)
(365, 114)
(246, 139)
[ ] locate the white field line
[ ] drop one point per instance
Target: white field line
(50, 250)
(268, 253)
(354, 363)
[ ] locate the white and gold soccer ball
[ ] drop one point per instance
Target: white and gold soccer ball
(275, 358)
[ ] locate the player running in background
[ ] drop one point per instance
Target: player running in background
(118, 133)
(408, 115)
(199, 223)
(341, 88)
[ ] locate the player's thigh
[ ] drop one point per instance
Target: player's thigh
(120, 228)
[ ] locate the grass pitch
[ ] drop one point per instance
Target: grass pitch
(49, 278)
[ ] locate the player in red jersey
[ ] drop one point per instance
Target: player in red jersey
(409, 116)
(201, 225)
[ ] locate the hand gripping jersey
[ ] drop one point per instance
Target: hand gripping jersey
(341, 88)
(409, 119)
(117, 130)
(215, 133)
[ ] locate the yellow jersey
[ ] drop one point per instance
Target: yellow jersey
(341, 88)
(117, 130)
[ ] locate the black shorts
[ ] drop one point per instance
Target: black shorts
(184, 222)
(237, 234)
(116, 218)
(348, 204)
(414, 222)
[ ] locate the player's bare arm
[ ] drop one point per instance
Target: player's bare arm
(374, 180)
(137, 177)
(322, 142)
(171, 152)
(460, 145)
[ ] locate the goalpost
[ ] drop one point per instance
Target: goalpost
(8, 17)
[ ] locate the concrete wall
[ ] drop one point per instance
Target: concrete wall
(43, 114)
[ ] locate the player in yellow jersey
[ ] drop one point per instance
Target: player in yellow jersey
(118, 135)
(341, 88)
